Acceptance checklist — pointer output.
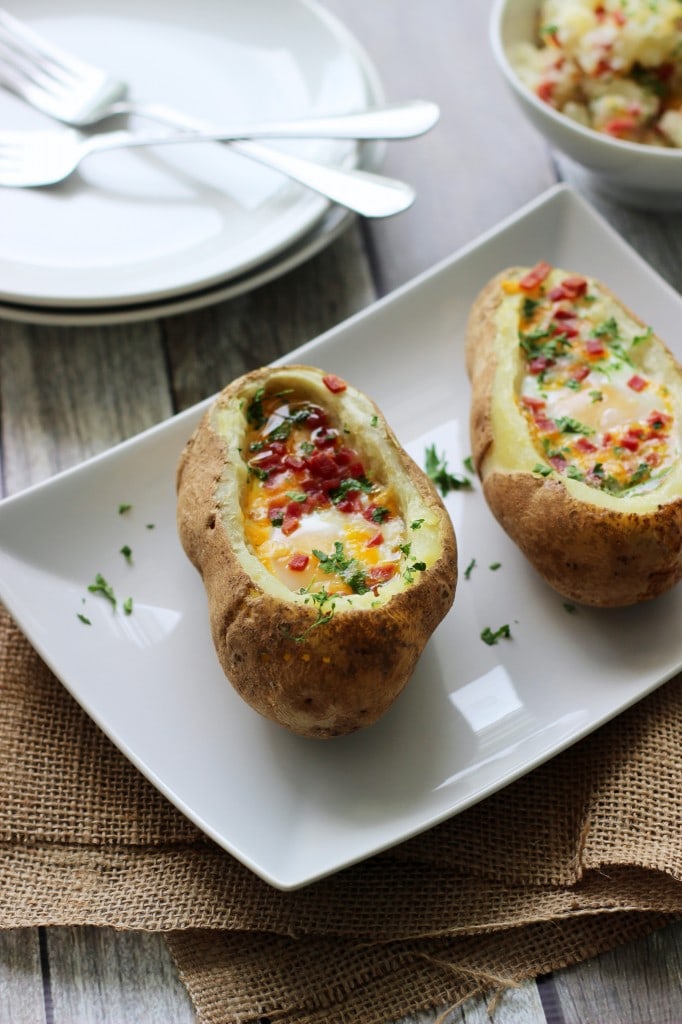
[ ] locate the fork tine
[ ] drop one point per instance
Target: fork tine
(58, 83)
(21, 38)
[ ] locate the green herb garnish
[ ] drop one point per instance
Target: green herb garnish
(437, 471)
(100, 586)
(489, 637)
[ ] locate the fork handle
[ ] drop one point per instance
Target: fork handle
(396, 121)
(371, 195)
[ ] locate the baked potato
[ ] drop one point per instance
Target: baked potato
(327, 556)
(576, 427)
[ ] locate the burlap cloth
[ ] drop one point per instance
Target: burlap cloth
(580, 855)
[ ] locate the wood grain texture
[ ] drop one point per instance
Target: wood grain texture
(99, 976)
(635, 984)
(21, 979)
(481, 161)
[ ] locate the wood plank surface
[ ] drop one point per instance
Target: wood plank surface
(68, 393)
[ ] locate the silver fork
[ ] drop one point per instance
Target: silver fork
(70, 90)
(34, 158)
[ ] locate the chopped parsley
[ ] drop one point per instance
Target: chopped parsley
(122, 509)
(541, 469)
(567, 425)
(348, 569)
(350, 484)
(255, 414)
(491, 638)
(100, 586)
(410, 570)
(417, 524)
(128, 606)
(84, 619)
(436, 467)
(127, 553)
(469, 569)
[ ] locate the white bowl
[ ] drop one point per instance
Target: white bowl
(641, 175)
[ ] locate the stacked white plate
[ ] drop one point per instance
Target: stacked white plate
(137, 234)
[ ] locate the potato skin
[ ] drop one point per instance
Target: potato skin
(319, 680)
(590, 554)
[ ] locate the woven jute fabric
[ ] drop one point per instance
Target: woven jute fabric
(580, 855)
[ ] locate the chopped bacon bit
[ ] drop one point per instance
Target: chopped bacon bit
(544, 423)
(533, 403)
(334, 384)
(562, 314)
(629, 442)
(380, 574)
(376, 540)
(530, 281)
(539, 363)
(620, 126)
(637, 383)
(657, 420)
(580, 372)
(570, 288)
(290, 524)
(595, 347)
(558, 462)
(583, 445)
(298, 562)
(545, 90)
(574, 286)
(275, 512)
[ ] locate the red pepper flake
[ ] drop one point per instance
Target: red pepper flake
(298, 562)
(530, 281)
(334, 383)
(637, 383)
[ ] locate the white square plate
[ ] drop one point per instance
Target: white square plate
(473, 717)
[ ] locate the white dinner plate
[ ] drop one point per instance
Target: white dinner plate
(332, 224)
(473, 717)
(141, 225)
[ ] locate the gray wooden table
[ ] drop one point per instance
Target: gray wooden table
(68, 393)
